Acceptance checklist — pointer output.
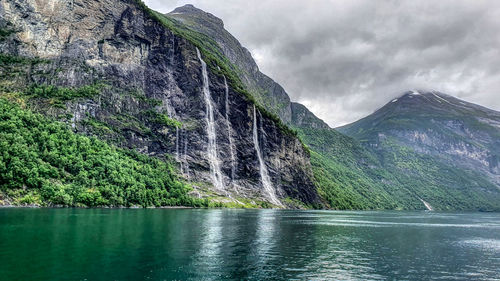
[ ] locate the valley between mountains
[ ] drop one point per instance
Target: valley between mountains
(107, 103)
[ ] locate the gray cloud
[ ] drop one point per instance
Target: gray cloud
(346, 58)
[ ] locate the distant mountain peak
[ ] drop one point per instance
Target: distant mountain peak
(186, 9)
(426, 93)
(416, 92)
(191, 10)
(418, 97)
(190, 6)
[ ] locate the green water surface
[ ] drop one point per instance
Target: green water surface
(213, 244)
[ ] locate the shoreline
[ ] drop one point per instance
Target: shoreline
(188, 207)
(100, 207)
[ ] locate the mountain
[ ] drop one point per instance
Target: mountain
(436, 124)
(140, 81)
(423, 129)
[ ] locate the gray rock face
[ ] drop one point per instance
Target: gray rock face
(150, 72)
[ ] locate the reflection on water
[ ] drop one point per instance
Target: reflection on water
(77, 244)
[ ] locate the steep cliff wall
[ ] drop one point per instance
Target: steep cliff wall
(154, 95)
(265, 90)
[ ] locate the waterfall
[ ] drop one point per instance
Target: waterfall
(185, 162)
(180, 154)
(171, 81)
(213, 157)
(427, 205)
(229, 130)
(177, 144)
(264, 176)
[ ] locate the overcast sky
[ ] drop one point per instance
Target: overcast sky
(344, 59)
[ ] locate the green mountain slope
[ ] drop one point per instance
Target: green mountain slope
(350, 177)
(432, 123)
(437, 142)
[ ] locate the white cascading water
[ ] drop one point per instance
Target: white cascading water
(229, 130)
(170, 76)
(177, 156)
(213, 157)
(180, 154)
(185, 166)
(264, 176)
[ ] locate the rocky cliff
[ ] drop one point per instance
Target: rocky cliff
(155, 91)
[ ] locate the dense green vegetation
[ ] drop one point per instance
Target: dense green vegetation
(8, 59)
(445, 186)
(61, 93)
(350, 176)
(43, 162)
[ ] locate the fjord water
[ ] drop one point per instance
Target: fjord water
(200, 244)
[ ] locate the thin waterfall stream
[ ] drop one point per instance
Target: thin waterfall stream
(213, 158)
(229, 130)
(264, 175)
